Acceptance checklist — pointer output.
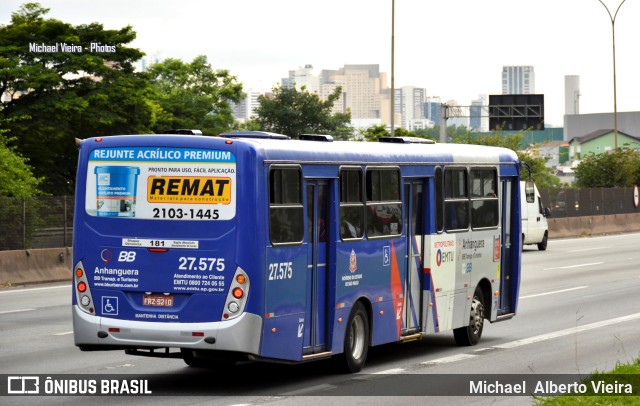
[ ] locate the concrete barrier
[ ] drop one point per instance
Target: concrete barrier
(54, 264)
(593, 225)
(35, 266)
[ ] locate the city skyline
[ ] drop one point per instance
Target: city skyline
(455, 49)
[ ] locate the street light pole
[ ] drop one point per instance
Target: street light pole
(613, 37)
(393, 91)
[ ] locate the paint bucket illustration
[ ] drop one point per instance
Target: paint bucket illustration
(116, 190)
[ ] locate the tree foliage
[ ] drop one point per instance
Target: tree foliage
(193, 95)
(295, 112)
(617, 168)
(16, 177)
(64, 93)
(540, 173)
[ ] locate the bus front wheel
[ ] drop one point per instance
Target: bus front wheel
(356, 339)
(470, 334)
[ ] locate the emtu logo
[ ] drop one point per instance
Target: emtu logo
(439, 257)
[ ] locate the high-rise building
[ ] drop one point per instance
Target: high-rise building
(409, 102)
(246, 109)
(362, 88)
(478, 120)
(518, 80)
(431, 109)
(302, 76)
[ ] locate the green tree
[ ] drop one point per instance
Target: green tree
(67, 82)
(16, 177)
(540, 173)
(193, 95)
(617, 168)
(295, 112)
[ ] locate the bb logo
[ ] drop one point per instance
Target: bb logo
(127, 256)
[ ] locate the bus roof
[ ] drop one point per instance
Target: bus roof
(290, 150)
(378, 152)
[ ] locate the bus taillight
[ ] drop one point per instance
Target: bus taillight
(237, 295)
(83, 292)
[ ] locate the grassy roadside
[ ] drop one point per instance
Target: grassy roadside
(622, 374)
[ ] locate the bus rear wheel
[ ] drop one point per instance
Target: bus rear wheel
(470, 334)
(192, 359)
(356, 339)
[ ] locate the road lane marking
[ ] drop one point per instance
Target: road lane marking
(16, 311)
(552, 293)
(452, 358)
(566, 332)
(316, 388)
(391, 371)
(64, 333)
(590, 249)
(2, 292)
(573, 266)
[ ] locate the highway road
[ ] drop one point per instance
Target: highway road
(579, 312)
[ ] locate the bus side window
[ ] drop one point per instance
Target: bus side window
(439, 200)
(456, 204)
(351, 204)
(384, 203)
(484, 198)
(286, 214)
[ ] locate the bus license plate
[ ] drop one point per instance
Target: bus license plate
(157, 300)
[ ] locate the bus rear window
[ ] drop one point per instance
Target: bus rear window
(286, 214)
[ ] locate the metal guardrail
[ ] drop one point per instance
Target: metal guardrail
(588, 202)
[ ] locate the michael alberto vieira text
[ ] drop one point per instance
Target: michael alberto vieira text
(550, 388)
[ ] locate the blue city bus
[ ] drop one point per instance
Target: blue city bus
(252, 245)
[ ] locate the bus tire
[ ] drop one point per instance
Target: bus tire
(542, 246)
(470, 334)
(356, 339)
(190, 358)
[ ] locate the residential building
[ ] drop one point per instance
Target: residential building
(600, 141)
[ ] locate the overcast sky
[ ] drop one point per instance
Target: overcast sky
(453, 48)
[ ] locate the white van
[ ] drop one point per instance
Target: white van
(534, 218)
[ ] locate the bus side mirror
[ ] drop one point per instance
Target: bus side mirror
(547, 212)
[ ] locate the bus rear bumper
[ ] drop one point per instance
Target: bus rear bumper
(238, 335)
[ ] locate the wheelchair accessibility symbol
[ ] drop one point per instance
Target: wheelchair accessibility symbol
(109, 306)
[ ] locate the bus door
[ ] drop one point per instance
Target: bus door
(415, 203)
(315, 331)
(509, 199)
